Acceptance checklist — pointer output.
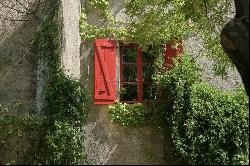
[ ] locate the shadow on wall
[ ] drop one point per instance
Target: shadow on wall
(17, 90)
(18, 68)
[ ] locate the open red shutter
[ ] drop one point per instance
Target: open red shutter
(171, 52)
(105, 71)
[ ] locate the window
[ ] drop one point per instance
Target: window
(136, 69)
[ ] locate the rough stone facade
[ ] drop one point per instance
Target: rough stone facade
(17, 64)
(17, 74)
(70, 16)
(193, 46)
(106, 143)
(111, 144)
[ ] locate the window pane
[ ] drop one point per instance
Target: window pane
(129, 73)
(129, 54)
(129, 92)
(147, 72)
(149, 91)
(147, 57)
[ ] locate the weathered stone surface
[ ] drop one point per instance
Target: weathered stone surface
(17, 64)
(17, 77)
(70, 15)
(194, 46)
(107, 143)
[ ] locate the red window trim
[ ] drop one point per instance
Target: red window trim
(172, 52)
(139, 81)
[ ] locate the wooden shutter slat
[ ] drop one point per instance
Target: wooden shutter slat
(105, 83)
(105, 74)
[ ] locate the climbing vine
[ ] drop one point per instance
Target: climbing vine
(64, 98)
(159, 21)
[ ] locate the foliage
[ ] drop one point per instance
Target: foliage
(208, 125)
(201, 119)
(57, 137)
(64, 99)
(65, 96)
(66, 110)
(216, 127)
(16, 128)
(177, 82)
(159, 21)
(129, 115)
(65, 143)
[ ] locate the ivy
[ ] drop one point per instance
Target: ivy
(159, 21)
(65, 102)
(16, 128)
(208, 126)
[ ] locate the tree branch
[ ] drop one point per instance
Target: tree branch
(235, 40)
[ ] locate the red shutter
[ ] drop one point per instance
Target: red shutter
(105, 71)
(171, 52)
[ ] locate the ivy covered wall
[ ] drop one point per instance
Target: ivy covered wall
(105, 19)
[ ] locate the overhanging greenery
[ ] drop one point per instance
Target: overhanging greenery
(160, 21)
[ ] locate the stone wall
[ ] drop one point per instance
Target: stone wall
(69, 17)
(17, 64)
(17, 77)
(107, 143)
(193, 46)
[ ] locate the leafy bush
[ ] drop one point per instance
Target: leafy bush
(65, 96)
(65, 103)
(175, 84)
(208, 125)
(19, 137)
(64, 142)
(215, 128)
(130, 115)
(66, 109)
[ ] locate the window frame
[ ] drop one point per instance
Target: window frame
(139, 66)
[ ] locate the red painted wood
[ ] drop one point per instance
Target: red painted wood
(139, 70)
(139, 76)
(104, 71)
(171, 52)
